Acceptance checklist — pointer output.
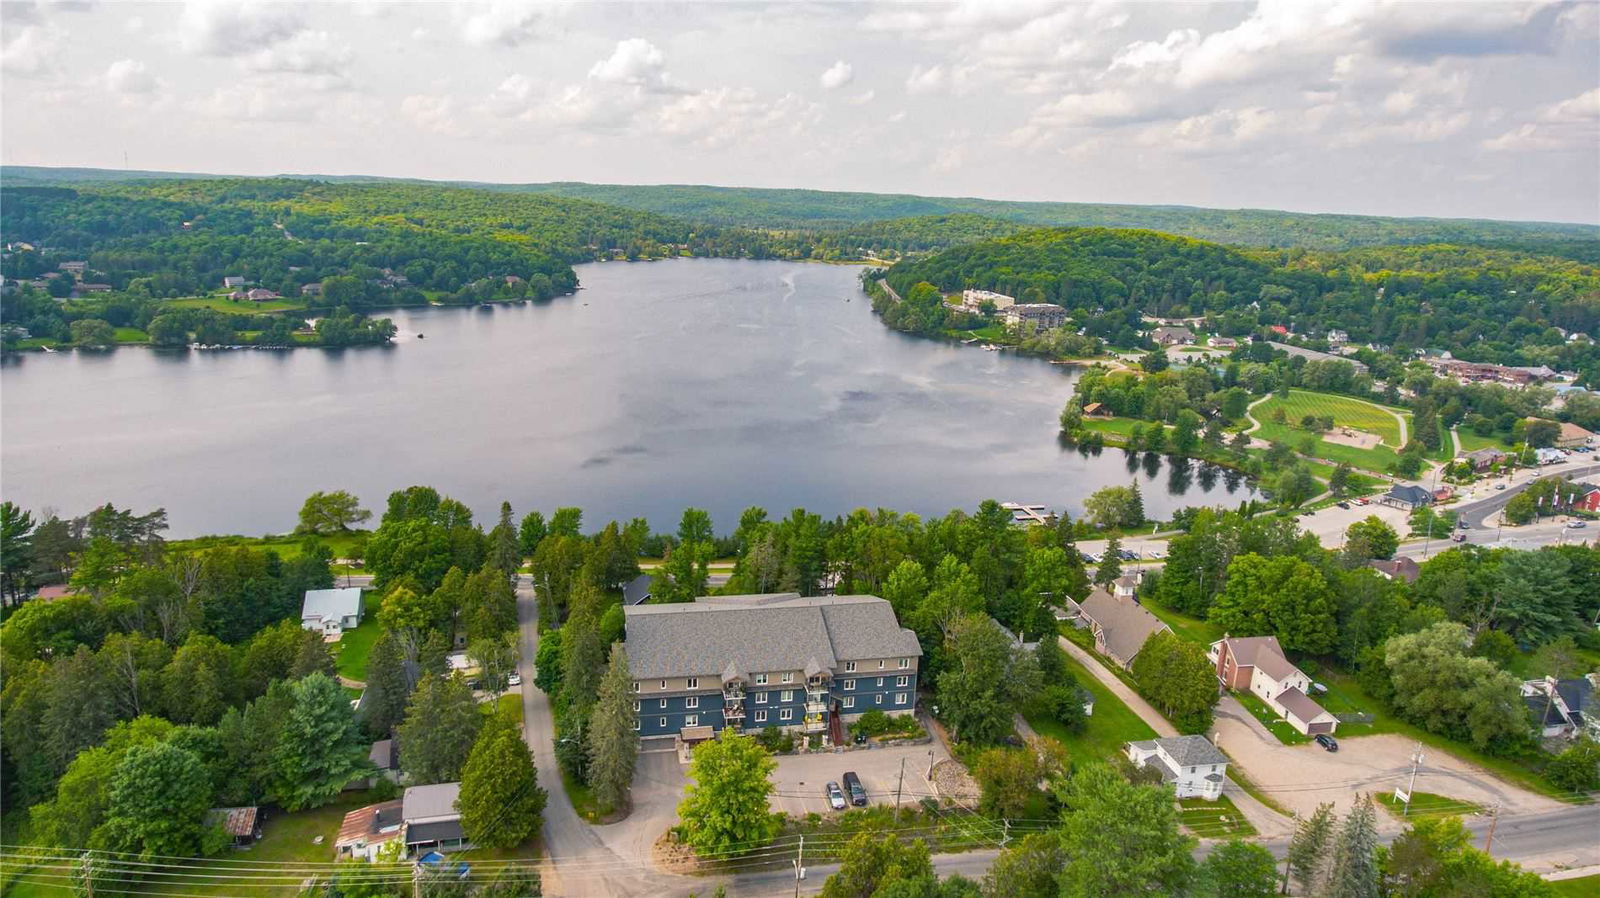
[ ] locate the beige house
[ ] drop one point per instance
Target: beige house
(1257, 663)
(1119, 623)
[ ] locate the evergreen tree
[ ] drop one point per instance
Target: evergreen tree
(1353, 870)
(1110, 567)
(441, 725)
(583, 654)
(319, 750)
(613, 740)
(501, 802)
(1308, 848)
(389, 681)
(505, 548)
(531, 533)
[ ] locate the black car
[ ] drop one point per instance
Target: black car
(852, 784)
(1342, 504)
(1326, 741)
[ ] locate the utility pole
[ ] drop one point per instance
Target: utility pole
(899, 782)
(1416, 759)
(1494, 819)
(1005, 836)
(799, 866)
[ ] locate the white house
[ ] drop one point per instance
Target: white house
(1191, 764)
(1257, 663)
(331, 610)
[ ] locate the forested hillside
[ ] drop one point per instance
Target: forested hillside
(1482, 304)
(756, 207)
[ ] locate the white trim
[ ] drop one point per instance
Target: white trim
(761, 716)
(899, 698)
(902, 681)
(692, 683)
(691, 720)
(692, 701)
(849, 701)
(761, 698)
(849, 685)
(786, 714)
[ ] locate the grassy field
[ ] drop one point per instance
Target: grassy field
(1427, 804)
(1346, 412)
(1582, 887)
(1218, 819)
(287, 546)
(350, 653)
(1191, 628)
(221, 304)
(1118, 426)
(132, 335)
(1112, 723)
(1471, 441)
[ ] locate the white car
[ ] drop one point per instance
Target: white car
(514, 680)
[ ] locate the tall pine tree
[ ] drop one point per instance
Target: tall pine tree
(1308, 848)
(613, 740)
(1353, 870)
(501, 803)
(319, 749)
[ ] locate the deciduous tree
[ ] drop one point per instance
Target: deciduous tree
(1120, 838)
(725, 807)
(320, 750)
(441, 724)
(333, 512)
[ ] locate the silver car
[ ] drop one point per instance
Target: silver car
(836, 797)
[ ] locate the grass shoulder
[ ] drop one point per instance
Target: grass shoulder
(1219, 819)
(1111, 725)
(1425, 805)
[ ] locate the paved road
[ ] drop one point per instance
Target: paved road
(1475, 511)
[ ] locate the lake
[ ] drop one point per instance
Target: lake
(714, 383)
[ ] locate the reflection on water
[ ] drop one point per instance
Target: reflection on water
(715, 383)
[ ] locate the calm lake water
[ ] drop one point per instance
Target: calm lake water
(713, 383)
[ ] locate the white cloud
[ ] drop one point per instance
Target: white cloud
(256, 102)
(838, 75)
(34, 51)
(229, 27)
(430, 112)
(1570, 124)
(863, 98)
(128, 76)
(950, 158)
(925, 80)
(508, 23)
(304, 53)
(635, 62)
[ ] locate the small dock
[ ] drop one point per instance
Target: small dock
(1029, 514)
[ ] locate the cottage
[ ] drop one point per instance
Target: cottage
(1406, 497)
(1190, 764)
(242, 825)
(1257, 663)
(1223, 343)
(234, 280)
(1572, 436)
(311, 289)
(1564, 707)
(1172, 336)
(805, 664)
(431, 819)
(1119, 623)
(1586, 497)
(261, 295)
(1337, 337)
(1096, 410)
(366, 830)
(239, 296)
(1397, 568)
(331, 610)
(52, 593)
(1483, 459)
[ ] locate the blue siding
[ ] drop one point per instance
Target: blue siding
(867, 695)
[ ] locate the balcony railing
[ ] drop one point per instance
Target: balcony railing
(735, 709)
(815, 723)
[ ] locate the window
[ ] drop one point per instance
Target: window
(692, 701)
(663, 704)
(786, 714)
(788, 696)
(877, 699)
(849, 701)
(691, 720)
(694, 682)
(761, 698)
(663, 723)
(761, 717)
(902, 681)
(849, 667)
(636, 723)
(899, 698)
(663, 684)
(636, 707)
(761, 679)
(849, 685)
(880, 665)
(788, 678)
(635, 685)
(880, 681)
(905, 663)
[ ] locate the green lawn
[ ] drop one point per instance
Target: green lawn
(132, 335)
(287, 545)
(1427, 804)
(1118, 426)
(1582, 887)
(1191, 628)
(1218, 819)
(1346, 411)
(350, 653)
(1112, 724)
(1279, 727)
(220, 304)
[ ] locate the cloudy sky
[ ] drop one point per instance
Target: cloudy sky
(1473, 109)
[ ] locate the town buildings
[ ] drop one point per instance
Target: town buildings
(1257, 664)
(1043, 315)
(973, 300)
(1313, 355)
(1572, 436)
(1564, 707)
(749, 662)
(1190, 764)
(1407, 497)
(1172, 336)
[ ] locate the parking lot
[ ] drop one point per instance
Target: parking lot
(802, 779)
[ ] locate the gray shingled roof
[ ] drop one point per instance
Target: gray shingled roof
(761, 633)
(1191, 751)
(1261, 652)
(1300, 705)
(1125, 624)
(430, 802)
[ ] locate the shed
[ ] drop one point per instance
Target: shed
(243, 825)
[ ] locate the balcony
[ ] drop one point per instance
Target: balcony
(816, 723)
(732, 710)
(733, 695)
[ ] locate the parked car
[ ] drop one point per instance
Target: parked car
(1576, 524)
(1462, 524)
(836, 797)
(514, 680)
(858, 795)
(1499, 486)
(1344, 505)
(1327, 742)
(1458, 537)
(1128, 555)
(1362, 501)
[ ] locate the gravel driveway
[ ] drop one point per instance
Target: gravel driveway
(1300, 777)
